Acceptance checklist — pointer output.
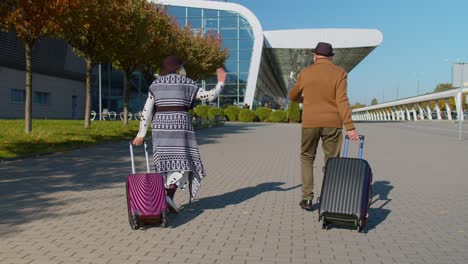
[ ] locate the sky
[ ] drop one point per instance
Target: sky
(421, 39)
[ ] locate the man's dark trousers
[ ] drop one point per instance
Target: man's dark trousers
(331, 143)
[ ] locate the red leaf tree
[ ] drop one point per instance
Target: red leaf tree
(31, 20)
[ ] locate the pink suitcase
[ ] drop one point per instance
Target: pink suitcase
(146, 196)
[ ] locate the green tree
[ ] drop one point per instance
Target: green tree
(443, 87)
(357, 105)
(278, 116)
(374, 101)
(202, 111)
(263, 113)
(247, 115)
(215, 111)
(87, 26)
(232, 113)
(31, 20)
(294, 112)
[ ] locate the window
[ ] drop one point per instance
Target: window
(210, 13)
(194, 12)
(242, 89)
(227, 13)
(231, 78)
(195, 22)
(230, 90)
(182, 22)
(41, 98)
(228, 34)
(243, 22)
(18, 96)
(176, 11)
(228, 22)
(231, 66)
(230, 44)
(210, 22)
(243, 77)
(245, 55)
(245, 33)
(246, 44)
(244, 66)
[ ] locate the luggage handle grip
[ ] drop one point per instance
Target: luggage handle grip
(361, 146)
(146, 156)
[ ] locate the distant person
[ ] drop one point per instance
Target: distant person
(246, 106)
(176, 154)
(321, 87)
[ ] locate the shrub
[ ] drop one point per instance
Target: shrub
(294, 112)
(215, 112)
(278, 116)
(247, 115)
(232, 113)
(192, 113)
(263, 113)
(202, 111)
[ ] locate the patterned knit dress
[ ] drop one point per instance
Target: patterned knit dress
(175, 147)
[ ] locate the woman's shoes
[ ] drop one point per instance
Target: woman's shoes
(170, 192)
(171, 205)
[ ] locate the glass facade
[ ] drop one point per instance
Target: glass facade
(237, 36)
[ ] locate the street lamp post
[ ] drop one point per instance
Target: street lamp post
(100, 94)
(460, 102)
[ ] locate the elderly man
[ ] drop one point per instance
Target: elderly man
(321, 87)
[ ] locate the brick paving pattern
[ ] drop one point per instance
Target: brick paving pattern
(71, 207)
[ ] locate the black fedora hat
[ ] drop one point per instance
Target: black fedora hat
(324, 49)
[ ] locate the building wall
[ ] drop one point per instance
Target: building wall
(60, 91)
(237, 36)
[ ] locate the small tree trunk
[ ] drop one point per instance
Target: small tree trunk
(128, 74)
(89, 67)
(28, 99)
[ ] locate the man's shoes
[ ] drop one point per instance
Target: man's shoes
(306, 204)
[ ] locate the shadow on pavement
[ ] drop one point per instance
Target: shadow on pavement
(34, 189)
(377, 211)
(213, 135)
(191, 211)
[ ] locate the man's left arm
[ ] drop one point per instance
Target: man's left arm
(343, 103)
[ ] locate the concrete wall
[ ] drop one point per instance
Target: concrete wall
(60, 102)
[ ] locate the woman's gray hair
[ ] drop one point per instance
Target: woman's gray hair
(182, 71)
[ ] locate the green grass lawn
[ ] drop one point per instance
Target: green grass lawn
(59, 135)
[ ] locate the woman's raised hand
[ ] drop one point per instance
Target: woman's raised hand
(221, 73)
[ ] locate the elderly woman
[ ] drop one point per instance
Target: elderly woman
(176, 155)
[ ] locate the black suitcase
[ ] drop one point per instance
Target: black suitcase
(346, 190)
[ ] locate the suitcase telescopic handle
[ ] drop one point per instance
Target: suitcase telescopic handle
(361, 146)
(133, 159)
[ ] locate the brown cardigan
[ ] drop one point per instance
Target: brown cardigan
(321, 88)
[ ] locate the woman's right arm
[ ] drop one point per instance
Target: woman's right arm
(145, 120)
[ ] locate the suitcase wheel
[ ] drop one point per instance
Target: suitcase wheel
(134, 223)
(164, 220)
(360, 226)
(324, 225)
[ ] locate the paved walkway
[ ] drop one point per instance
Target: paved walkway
(71, 207)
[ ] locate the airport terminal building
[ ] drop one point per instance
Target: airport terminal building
(261, 68)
